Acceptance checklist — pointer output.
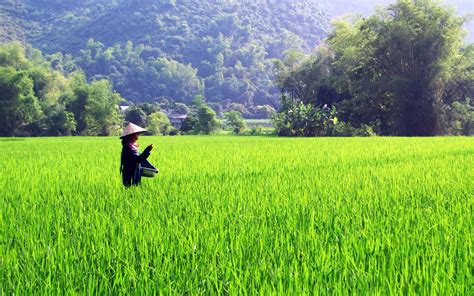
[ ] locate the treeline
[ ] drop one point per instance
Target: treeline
(36, 100)
(403, 71)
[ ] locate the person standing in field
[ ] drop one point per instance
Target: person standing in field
(130, 166)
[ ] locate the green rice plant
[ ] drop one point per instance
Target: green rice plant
(239, 215)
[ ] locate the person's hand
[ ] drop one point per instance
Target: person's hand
(149, 148)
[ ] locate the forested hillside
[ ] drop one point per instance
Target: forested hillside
(172, 50)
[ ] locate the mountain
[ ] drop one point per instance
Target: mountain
(67, 25)
(227, 45)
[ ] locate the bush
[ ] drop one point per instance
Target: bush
(174, 132)
(298, 119)
(343, 129)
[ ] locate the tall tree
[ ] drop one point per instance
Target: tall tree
(392, 71)
(18, 105)
(207, 120)
(415, 46)
(102, 115)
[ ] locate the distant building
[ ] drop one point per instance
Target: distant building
(123, 108)
(176, 119)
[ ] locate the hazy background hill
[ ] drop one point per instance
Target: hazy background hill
(69, 24)
(172, 50)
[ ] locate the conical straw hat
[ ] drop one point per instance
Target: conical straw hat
(132, 129)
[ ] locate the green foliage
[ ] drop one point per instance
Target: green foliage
(260, 130)
(415, 47)
(62, 123)
(159, 124)
(206, 120)
(102, 116)
(12, 54)
(18, 105)
(95, 108)
(460, 85)
(309, 79)
(461, 118)
(199, 101)
(136, 115)
(234, 121)
(37, 100)
(342, 129)
(299, 119)
(396, 71)
(189, 124)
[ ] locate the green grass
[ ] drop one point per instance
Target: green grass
(239, 215)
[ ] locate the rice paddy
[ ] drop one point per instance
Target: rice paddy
(239, 215)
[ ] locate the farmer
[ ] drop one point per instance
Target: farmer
(130, 163)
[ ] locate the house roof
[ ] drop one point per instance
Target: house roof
(177, 116)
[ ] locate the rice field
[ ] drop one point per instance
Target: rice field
(239, 215)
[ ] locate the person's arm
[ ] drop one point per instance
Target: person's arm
(137, 157)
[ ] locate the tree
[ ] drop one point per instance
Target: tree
(18, 105)
(155, 50)
(136, 115)
(397, 71)
(102, 114)
(207, 120)
(159, 124)
(309, 79)
(461, 83)
(181, 108)
(76, 104)
(461, 118)
(198, 101)
(189, 124)
(263, 112)
(13, 55)
(171, 79)
(149, 108)
(37, 100)
(95, 108)
(61, 123)
(234, 120)
(414, 50)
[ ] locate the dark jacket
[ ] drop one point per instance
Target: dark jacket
(130, 166)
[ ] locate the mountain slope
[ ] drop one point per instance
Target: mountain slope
(229, 43)
(70, 25)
